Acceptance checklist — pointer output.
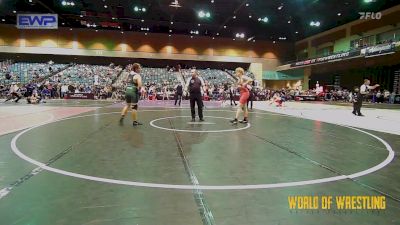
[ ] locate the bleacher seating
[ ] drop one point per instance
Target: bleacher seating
(23, 72)
(83, 74)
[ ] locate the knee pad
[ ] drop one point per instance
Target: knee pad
(135, 107)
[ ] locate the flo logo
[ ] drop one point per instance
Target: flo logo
(370, 15)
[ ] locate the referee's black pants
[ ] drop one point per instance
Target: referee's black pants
(358, 104)
(196, 98)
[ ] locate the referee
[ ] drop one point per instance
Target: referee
(364, 90)
(194, 87)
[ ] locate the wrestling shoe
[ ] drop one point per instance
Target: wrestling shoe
(234, 121)
(136, 123)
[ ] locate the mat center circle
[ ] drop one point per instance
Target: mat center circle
(198, 124)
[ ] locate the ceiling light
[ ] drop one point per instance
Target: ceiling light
(247, 4)
(143, 9)
(234, 17)
(169, 35)
(280, 7)
(212, 1)
(97, 31)
(217, 34)
(274, 42)
(3, 20)
(81, 16)
(105, 6)
(250, 16)
(64, 3)
(201, 14)
(198, 24)
(145, 33)
(265, 19)
(234, 39)
(191, 36)
(339, 14)
(70, 28)
(122, 32)
(315, 23)
(224, 27)
(170, 31)
(136, 8)
(289, 21)
(142, 21)
(296, 32)
(14, 11)
(172, 22)
(88, 24)
(213, 38)
(73, 3)
(208, 15)
(254, 40)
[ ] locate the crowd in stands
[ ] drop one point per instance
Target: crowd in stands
(47, 81)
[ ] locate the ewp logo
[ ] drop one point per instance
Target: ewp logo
(370, 15)
(37, 21)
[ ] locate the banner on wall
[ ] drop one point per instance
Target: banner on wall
(379, 50)
(325, 59)
(37, 21)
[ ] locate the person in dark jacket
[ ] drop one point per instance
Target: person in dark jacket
(195, 87)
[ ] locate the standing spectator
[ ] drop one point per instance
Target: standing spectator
(179, 93)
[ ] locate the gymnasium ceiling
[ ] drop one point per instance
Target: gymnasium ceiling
(288, 20)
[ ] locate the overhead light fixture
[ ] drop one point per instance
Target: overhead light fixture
(170, 31)
(172, 22)
(139, 9)
(142, 21)
(212, 1)
(14, 11)
(97, 31)
(289, 21)
(240, 35)
(234, 39)
(198, 24)
(264, 20)
(191, 36)
(66, 3)
(315, 23)
(339, 14)
(250, 38)
(250, 16)
(254, 40)
(122, 32)
(217, 34)
(247, 4)
(3, 20)
(280, 7)
(296, 32)
(105, 6)
(203, 14)
(169, 35)
(224, 27)
(274, 42)
(175, 4)
(70, 28)
(234, 17)
(213, 38)
(145, 33)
